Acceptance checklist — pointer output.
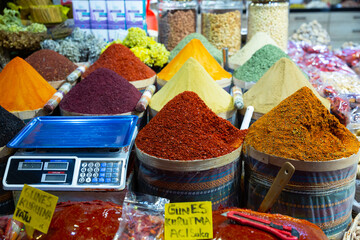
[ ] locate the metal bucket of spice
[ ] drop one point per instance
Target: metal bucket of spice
(214, 179)
(320, 192)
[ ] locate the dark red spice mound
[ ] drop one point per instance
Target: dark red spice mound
(51, 65)
(95, 220)
(102, 92)
(186, 129)
(121, 60)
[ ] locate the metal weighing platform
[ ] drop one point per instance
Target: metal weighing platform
(82, 154)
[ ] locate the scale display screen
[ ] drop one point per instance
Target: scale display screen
(30, 165)
(56, 166)
(53, 178)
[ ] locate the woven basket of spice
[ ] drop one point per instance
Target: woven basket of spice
(188, 153)
(22, 40)
(325, 154)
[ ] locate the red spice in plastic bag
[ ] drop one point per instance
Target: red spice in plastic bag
(121, 60)
(51, 65)
(96, 220)
(102, 92)
(186, 129)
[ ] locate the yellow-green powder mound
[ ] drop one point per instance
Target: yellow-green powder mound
(192, 76)
(282, 80)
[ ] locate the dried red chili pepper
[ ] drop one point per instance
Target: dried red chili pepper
(186, 129)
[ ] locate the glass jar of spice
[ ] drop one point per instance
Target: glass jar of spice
(176, 19)
(270, 16)
(221, 23)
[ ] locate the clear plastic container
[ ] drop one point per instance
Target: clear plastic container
(271, 17)
(221, 23)
(176, 19)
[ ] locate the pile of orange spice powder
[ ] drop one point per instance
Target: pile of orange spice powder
(301, 128)
(121, 60)
(186, 129)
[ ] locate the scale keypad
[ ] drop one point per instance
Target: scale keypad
(97, 172)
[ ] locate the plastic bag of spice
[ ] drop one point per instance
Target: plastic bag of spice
(142, 217)
(340, 106)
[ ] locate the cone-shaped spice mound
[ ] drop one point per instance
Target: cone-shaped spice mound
(10, 125)
(121, 60)
(283, 79)
(259, 40)
(254, 68)
(193, 77)
(51, 65)
(301, 128)
(196, 50)
(22, 88)
(102, 92)
(216, 53)
(186, 129)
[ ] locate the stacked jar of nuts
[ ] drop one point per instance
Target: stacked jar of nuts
(176, 19)
(221, 23)
(270, 16)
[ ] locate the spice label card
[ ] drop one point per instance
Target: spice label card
(35, 208)
(190, 220)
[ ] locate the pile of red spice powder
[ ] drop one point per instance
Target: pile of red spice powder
(186, 129)
(51, 65)
(102, 92)
(95, 220)
(121, 60)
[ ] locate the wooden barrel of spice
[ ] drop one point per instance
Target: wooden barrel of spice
(320, 192)
(243, 84)
(141, 85)
(140, 124)
(215, 179)
(230, 115)
(225, 83)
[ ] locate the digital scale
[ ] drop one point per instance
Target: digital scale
(72, 153)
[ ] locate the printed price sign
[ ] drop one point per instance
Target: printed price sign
(35, 208)
(191, 220)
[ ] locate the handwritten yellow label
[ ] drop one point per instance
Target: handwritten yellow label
(35, 208)
(191, 220)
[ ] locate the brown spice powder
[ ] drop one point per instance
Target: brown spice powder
(301, 128)
(51, 65)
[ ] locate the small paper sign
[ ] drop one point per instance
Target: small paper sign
(35, 208)
(190, 220)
